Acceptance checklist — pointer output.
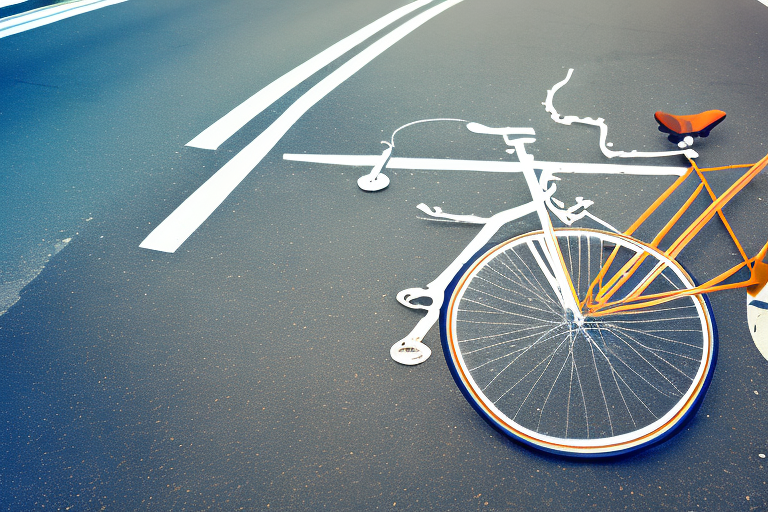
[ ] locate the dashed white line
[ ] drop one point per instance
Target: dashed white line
(180, 224)
(216, 134)
(51, 14)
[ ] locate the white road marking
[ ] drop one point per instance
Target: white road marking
(46, 15)
(216, 134)
(600, 123)
(764, 2)
(6, 3)
(438, 164)
(352, 160)
(180, 224)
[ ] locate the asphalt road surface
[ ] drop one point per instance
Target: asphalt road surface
(249, 368)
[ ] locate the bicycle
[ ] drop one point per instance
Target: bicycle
(576, 341)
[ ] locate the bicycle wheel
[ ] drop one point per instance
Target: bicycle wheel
(612, 385)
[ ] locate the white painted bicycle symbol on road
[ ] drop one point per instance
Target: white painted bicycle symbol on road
(575, 340)
(582, 341)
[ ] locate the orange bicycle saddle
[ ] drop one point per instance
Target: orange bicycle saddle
(698, 125)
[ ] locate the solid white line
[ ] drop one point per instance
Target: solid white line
(216, 134)
(764, 2)
(46, 15)
(6, 3)
(353, 160)
(639, 170)
(180, 224)
(438, 164)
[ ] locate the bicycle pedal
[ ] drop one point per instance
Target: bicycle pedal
(380, 182)
(409, 352)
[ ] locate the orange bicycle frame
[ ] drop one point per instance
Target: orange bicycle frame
(598, 300)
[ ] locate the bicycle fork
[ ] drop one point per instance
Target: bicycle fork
(410, 350)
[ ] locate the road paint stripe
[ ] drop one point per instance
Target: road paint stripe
(216, 134)
(180, 224)
(353, 160)
(46, 15)
(439, 164)
(6, 3)
(764, 2)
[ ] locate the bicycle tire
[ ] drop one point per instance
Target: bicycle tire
(617, 384)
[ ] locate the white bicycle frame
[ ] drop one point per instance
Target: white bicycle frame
(410, 350)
